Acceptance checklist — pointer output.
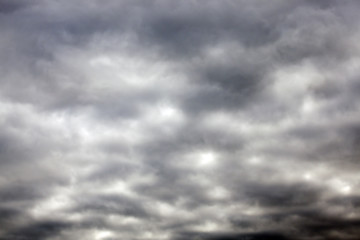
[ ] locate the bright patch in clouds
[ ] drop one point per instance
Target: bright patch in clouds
(206, 159)
(102, 234)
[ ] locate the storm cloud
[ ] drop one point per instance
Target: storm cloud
(179, 120)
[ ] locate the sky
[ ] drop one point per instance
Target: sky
(179, 120)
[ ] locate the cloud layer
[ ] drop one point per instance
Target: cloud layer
(179, 120)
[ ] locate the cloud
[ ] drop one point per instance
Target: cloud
(179, 120)
(9, 7)
(255, 236)
(39, 231)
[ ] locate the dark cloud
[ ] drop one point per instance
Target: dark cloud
(187, 29)
(8, 217)
(224, 236)
(18, 193)
(286, 195)
(8, 7)
(42, 230)
(112, 204)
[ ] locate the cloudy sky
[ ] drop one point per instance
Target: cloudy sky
(179, 120)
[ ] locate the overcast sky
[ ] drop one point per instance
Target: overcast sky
(179, 120)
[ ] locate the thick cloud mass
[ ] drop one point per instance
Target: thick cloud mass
(179, 120)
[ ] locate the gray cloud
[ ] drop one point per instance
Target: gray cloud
(179, 120)
(42, 230)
